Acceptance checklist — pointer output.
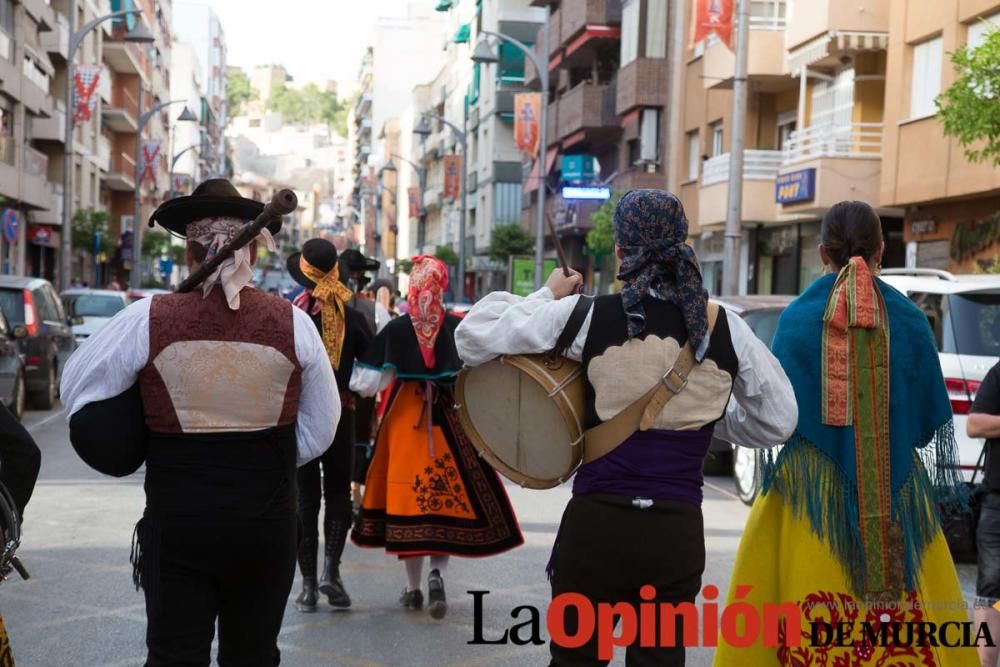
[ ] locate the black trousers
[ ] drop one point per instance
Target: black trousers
(238, 571)
(335, 485)
(607, 550)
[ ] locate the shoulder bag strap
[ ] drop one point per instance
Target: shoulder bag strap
(641, 414)
(979, 465)
(573, 325)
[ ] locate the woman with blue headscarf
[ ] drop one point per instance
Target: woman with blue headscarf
(635, 517)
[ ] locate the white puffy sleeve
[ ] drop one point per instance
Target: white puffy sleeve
(319, 402)
(502, 323)
(108, 363)
(762, 411)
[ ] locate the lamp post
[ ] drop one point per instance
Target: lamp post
(135, 279)
(421, 184)
(423, 130)
(173, 164)
(140, 35)
(483, 53)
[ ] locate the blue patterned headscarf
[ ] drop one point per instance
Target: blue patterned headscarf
(650, 228)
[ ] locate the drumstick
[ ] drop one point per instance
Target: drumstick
(559, 249)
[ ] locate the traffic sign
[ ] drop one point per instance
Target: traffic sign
(10, 223)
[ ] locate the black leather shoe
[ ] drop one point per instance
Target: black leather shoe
(309, 597)
(436, 603)
(333, 587)
(412, 600)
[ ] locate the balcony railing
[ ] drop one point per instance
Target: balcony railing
(36, 163)
(123, 163)
(757, 166)
(856, 140)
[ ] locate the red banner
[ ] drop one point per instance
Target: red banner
(150, 153)
(413, 195)
(452, 176)
(527, 115)
(712, 16)
(85, 81)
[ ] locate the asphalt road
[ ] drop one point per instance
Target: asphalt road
(80, 609)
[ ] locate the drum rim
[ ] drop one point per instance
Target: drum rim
(563, 404)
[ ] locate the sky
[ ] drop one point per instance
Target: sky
(315, 40)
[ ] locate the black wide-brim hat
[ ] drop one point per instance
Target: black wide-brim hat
(318, 252)
(358, 262)
(216, 197)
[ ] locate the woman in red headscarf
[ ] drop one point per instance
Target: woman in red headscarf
(428, 492)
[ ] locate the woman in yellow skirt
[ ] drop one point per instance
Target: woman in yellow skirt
(428, 493)
(846, 529)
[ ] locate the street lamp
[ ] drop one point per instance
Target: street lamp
(460, 134)
(483, 53)
(135, 279)
(173, 163)
(139, 34)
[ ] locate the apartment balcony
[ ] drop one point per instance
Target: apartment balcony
(125, 57)
(53, 215)
(584, 24)
(29, 182)
(122, 114)
(760, 169)
(637, 179)
(765, 59)
(56, 40)
(833, 28)
(121, 175)
(52, 128)
(364, 103)
(41, 12)
(103, 154)
(587, 111)
(642, 83)
(842, 162)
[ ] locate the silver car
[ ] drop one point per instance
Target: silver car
(90, 309)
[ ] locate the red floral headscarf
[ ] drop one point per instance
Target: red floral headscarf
(428, 282)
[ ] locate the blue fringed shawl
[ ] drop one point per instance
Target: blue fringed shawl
(815, 470)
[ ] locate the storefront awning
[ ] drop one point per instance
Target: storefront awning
(443, 5)
(531, 183)
(463, 35)
(835, 42)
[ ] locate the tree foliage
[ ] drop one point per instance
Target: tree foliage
(155, 244)
(308, 104)
(87, 224)
(447, 255)
(510, 240)
(238, 91)
(601, 237)
(970, 108)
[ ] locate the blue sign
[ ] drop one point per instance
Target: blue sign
(577, 168)
(10, 225)
(166, 266)
(597, 193)
(795, 186)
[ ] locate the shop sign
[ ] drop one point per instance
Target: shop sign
(795, 186)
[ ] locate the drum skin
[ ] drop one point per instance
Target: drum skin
(524, 414)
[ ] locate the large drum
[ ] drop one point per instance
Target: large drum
(524, 414)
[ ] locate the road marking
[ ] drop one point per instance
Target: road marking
(52, 417)
(722, 490)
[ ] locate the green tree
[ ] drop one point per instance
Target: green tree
(238, 90)
(155, 244)
(446, 254)
(601, 237)
(308, 104)
(510, 240)
(970, 108)
(87, 225)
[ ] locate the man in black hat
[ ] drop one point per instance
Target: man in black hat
(223, 392)
(346, 336)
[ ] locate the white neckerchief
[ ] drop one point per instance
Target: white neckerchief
(236, 272)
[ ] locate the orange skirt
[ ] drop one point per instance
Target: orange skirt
(428, 491)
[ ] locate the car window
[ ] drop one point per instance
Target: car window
(53, 298)
(764, 323)
(93, 305)
(934, 307)
(46, 308)
(974, 320)
(12, 304)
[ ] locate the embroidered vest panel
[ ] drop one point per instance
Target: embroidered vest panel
(213, 370)
(620, 370)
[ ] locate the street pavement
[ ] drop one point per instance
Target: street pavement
(80, 609)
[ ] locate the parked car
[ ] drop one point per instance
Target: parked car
(12, 387)
(761, 312)
(964, 314)
(48, 340)
(90, 309)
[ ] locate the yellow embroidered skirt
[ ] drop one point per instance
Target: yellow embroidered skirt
(782, 560)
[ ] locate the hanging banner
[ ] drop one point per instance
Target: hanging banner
(413, 195)
(150, 153)
(527, 115)
(181, 184)
(85, 80)
(712, 16)
(452, 176)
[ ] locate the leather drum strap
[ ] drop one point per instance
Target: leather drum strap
(642, 414)
(573, 325)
